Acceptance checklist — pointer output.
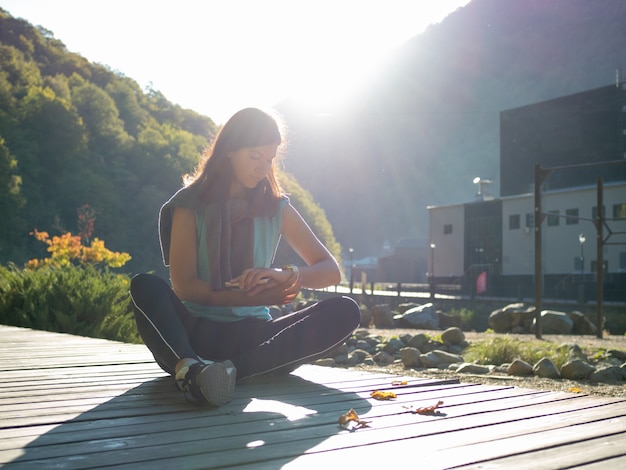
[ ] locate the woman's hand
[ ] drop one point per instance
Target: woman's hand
(269, 286)
(273, 282)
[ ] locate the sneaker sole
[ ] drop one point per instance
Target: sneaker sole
(217, 382)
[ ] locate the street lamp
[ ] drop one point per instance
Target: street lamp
(351, 250)
(582, 239)
(581, 292)
(432, 270)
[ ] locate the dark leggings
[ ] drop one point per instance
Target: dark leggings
(254, 345)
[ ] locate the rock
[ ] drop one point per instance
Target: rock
(621, 355)
(342, 358)
(519, 368)
(609, 375)
(432, 345)
(437, 357)
(456, 348)
(522, 318)
(453, 335)
(448, 321)
(365, 345)
(406, 338)
(361, 333)
(406, 306)
(576, 369)
(382, 316)
(418, 341)
(393, 346)
(326, 362)
(423, 317)
(574, 352)
(366, 317)
(501, 320)
(553, 322)
(471, 368)
(339, 350)
(546, 368)
(581, 324)
(383, 358)
(410, 357)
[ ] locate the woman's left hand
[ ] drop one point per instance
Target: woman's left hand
(256, 280)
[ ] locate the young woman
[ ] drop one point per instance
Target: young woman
(218, 236)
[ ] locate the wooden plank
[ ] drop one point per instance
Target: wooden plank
(103, 403)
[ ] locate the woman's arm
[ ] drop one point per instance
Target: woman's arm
(189, 287)
(322, 269)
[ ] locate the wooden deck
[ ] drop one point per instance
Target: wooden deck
(72, 402)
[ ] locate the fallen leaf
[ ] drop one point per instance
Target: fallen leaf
(378, 395)
(396, 383)
(350, 420)
(426, 410)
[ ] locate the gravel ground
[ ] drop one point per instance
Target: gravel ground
(587, 344)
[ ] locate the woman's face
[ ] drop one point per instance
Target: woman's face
(250, 166)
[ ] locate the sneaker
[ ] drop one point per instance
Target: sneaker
(211, 383)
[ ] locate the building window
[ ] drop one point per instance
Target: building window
(619, 211)
(553, 218)
(530, 220)
(622, 261)
(594, 212)
(572, 217)
(594, 266)
(514, 222)
(447, 229)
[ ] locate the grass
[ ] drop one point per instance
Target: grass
(506, 350)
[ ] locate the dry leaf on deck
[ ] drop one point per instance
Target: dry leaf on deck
(378, 395)
(350, 420)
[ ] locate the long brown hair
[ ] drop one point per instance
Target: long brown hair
(249, 127)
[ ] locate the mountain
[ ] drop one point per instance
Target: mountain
(430, 123)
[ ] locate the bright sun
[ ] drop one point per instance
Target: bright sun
(217, 57)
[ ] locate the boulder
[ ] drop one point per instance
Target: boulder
(366, 317)
(501, 320)
(555, 323)
(437, 358)
(447, 321)
(423, 317)
(418, 341)
(471, 368)
(383, 358)
(519, 368)
(546, 368)
(410, 357)
(453, 335)
(609, 375)
(582, 325)
(382, 316)
(576, 369)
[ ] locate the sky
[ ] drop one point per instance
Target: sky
(217, 57)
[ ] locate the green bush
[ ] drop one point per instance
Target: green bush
(80, 300)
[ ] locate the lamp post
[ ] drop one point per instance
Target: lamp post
(582, 239)
(581, 291)
(432, 270)
(351, 250)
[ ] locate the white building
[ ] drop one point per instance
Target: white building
(497, 236)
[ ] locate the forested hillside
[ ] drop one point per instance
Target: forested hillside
(430, 123)
(75, 133)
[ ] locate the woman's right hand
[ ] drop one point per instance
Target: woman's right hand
(274, 292)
